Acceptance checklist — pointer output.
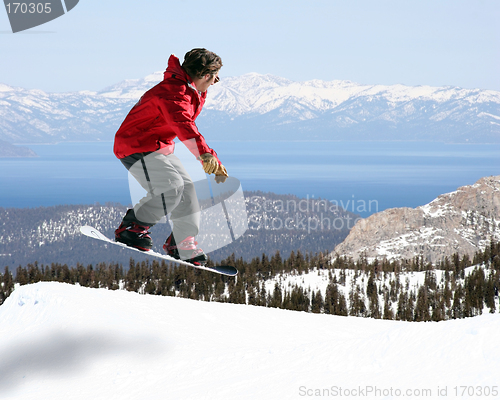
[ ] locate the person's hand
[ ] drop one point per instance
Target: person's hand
(221, 174)
(210, 164)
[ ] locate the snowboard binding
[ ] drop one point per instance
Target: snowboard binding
(134, 235)
(185, 250)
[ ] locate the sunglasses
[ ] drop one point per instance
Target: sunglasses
(217, 79)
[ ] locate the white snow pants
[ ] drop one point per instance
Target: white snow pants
(170, 190)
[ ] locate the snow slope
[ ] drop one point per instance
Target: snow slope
(59, 341)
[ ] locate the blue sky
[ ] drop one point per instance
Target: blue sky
(412, 42)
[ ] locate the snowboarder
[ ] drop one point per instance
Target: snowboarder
(144, 143)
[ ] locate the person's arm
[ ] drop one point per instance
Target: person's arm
(176, 111)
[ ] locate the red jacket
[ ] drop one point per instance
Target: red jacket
(166, 111)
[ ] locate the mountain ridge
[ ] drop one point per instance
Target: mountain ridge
(266, 106)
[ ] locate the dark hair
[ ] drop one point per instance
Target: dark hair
(200, 62)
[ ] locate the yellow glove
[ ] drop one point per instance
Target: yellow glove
(210, 163)
(221, 174)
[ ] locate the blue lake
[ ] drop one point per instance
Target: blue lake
(364, 177)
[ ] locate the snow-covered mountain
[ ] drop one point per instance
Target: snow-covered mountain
(255, 106)
(461, 222)
(33, 116)
(59, 341)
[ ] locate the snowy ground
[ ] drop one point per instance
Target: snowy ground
(59, 341)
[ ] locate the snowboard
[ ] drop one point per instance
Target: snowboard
(95, 234)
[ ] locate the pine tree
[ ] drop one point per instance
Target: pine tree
(489, 294)
(34, 273)
(357, 303)
(317, 302)
(8, 282)
(253, 296)
(263, 297)
(457, 310)
(331, 298)
(372, 294)
(276, 298)
(238, 294)
(22, 276)
(474, 293)
(422, 306)
(342, 306)
(298, 300)
(388, 313)
(405, 307)
(6, 285)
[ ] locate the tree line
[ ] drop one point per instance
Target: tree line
(407, 290)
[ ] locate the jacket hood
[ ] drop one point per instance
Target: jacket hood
(174, 68)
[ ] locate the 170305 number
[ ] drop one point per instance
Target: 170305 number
(28, 8)
(476, 391)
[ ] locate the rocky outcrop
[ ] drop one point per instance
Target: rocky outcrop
(461, 222)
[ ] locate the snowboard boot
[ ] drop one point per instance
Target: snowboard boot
(185, 250)
(134, 234)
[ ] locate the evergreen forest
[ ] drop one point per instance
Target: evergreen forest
(405, 290)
